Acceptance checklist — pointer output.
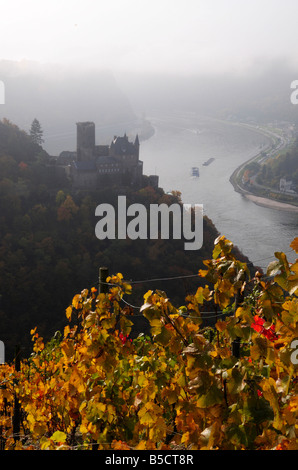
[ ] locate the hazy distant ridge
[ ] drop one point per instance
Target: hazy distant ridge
(59, 97)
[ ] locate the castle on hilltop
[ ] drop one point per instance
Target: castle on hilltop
(94, 165)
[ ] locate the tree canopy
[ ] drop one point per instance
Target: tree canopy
(36, 132)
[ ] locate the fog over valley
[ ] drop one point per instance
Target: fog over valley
(59, 96)
(112, 62)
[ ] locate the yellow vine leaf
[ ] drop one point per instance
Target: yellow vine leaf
(142, 445)
(294, 244)
(149, 413)
(59, 436)
(68, 313)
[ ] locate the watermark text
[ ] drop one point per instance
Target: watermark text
(2, 92)
(294, 354)
(294, 94)
(179, 221)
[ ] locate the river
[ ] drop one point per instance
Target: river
(182, 141)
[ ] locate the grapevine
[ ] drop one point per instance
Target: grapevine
(182, 387)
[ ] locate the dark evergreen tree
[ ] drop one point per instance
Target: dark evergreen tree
(36, 132)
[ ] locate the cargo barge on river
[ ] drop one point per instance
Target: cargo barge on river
(208, 161)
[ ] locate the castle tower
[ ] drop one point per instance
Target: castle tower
(85, 141)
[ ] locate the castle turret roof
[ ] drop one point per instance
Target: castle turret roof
(121, 145)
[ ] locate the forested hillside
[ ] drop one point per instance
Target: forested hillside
(48, 247)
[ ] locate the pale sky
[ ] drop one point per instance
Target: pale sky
(185, 36)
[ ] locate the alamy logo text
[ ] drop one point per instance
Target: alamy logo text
(179, 221)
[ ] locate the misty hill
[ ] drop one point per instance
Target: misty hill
(60, 96)
(262, 93)
(17, 144)
(49, 251)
